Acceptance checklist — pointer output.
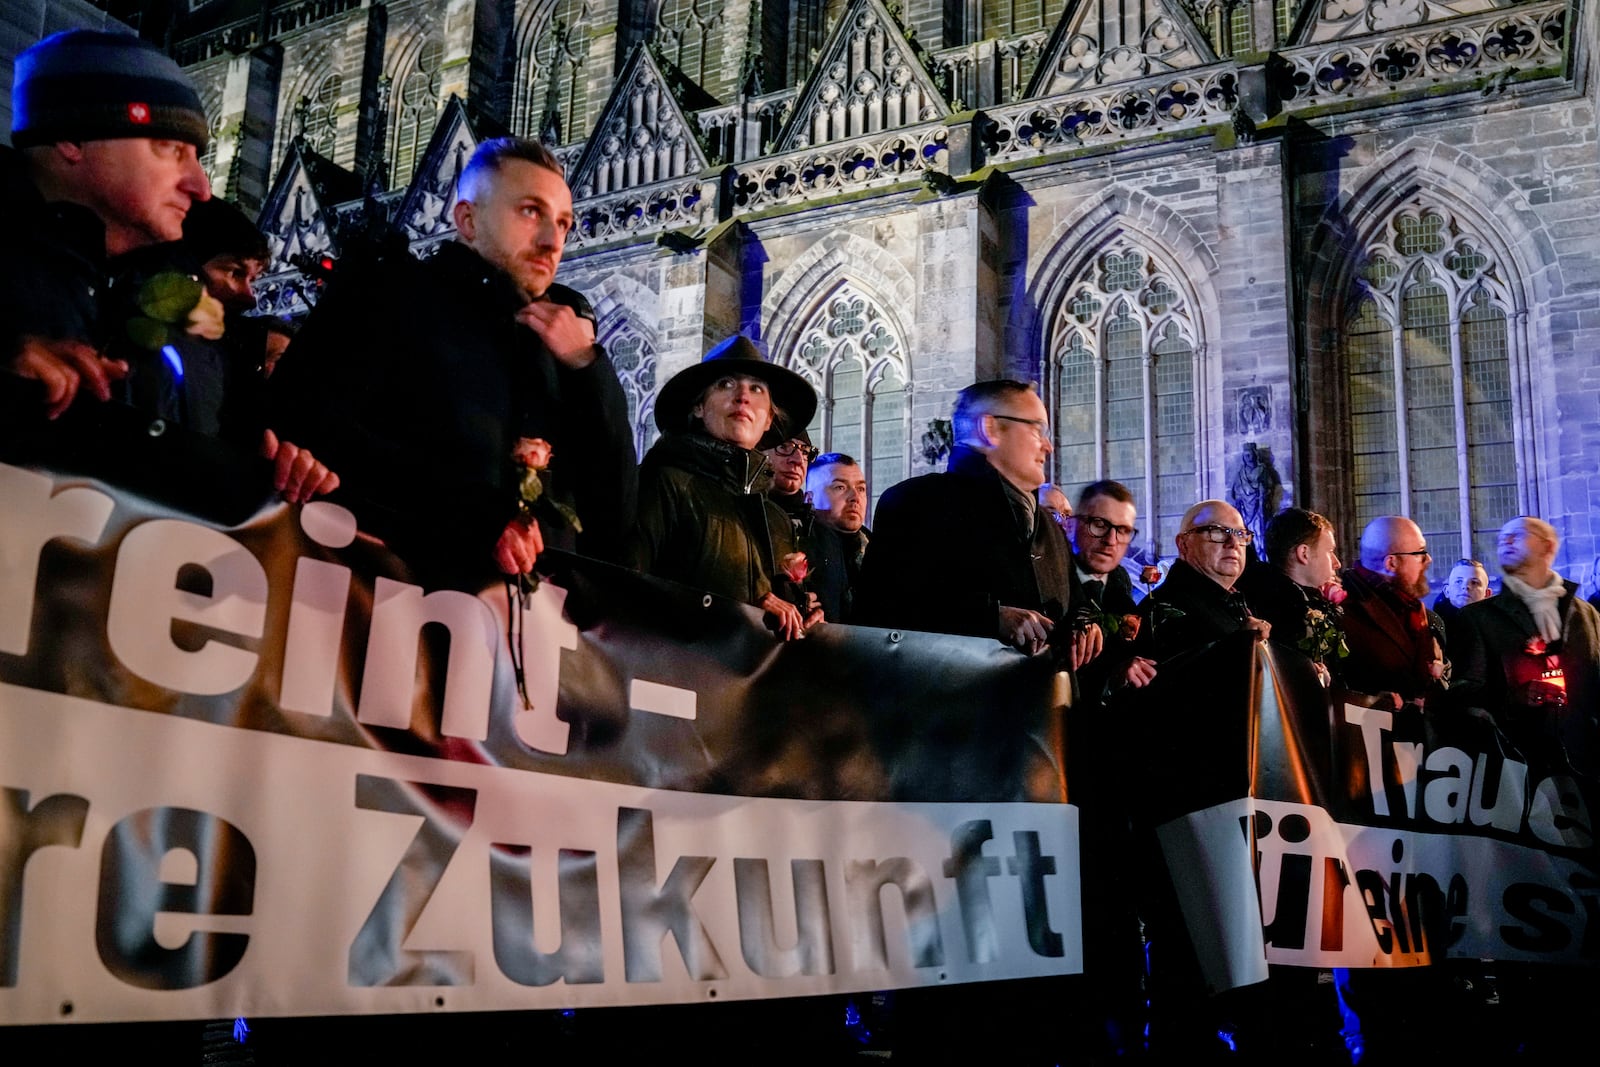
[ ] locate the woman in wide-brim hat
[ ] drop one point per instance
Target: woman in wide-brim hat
(703, 518)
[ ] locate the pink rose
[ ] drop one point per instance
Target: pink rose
(1150, 575)
(1334, 593)
(795, 566)
(532, 452)
(1128, 626)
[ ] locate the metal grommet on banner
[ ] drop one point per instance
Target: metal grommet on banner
(705, 601)
(66, 1008)
(157, 428)
(894, 637)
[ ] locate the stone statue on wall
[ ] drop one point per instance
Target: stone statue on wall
(1255, 489)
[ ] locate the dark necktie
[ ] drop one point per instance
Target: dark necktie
(1094, 589)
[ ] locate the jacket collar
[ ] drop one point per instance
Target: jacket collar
(473, 272)
(1186, 579)
(1511, 606)
(735, 469)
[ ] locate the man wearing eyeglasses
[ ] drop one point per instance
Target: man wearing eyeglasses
(1197, 603)
(823, 572)
(1394, 647)
(970, 551)
(1101, 531)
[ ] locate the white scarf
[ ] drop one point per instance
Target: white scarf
(1543, 604)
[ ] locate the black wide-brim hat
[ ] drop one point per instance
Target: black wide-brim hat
(738, 355)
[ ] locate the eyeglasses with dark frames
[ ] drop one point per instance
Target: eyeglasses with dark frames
(1221, 535)
(789, 448)
(1106, 528)
(1423, 551)
(1040, 426)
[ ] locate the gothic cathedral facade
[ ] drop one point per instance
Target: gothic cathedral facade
(1335, 253)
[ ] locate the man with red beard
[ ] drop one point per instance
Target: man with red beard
(1393, 646)
(421, 380)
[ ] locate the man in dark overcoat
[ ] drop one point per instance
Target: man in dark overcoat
(970, 551)
(421, 380)
(1531, 656)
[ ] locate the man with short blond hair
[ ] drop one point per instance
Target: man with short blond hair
(423, 379)
(1468, 584)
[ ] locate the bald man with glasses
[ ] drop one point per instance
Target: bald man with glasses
(1395, 646)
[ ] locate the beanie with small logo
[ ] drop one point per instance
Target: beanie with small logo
(85, 85)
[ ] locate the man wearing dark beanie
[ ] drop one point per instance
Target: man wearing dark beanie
(107, 132)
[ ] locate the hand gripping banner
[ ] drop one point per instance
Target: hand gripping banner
(249, 767)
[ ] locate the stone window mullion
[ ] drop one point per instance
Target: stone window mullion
(1459, 398)
(1402, 436)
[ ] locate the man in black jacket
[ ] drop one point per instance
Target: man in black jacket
(970, 551)
(1296, 586)
(107, 132)
(1102, 529)
(420, 381)
(836, 488)
(1197, 604)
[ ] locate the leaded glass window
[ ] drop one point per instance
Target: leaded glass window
(1428, 374)
(853, 356)
(1121, 387)
(320, 111)
(1227, 26)
(208, 158)
(1284, 13)
(550, 96)
(416, 108)
(689, 33)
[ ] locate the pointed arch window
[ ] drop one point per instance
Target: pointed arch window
(1427, 359)
(852, 355)
(319, 113)
(416, 108)
(689, 32)
(1121, 387)
(550, 97)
